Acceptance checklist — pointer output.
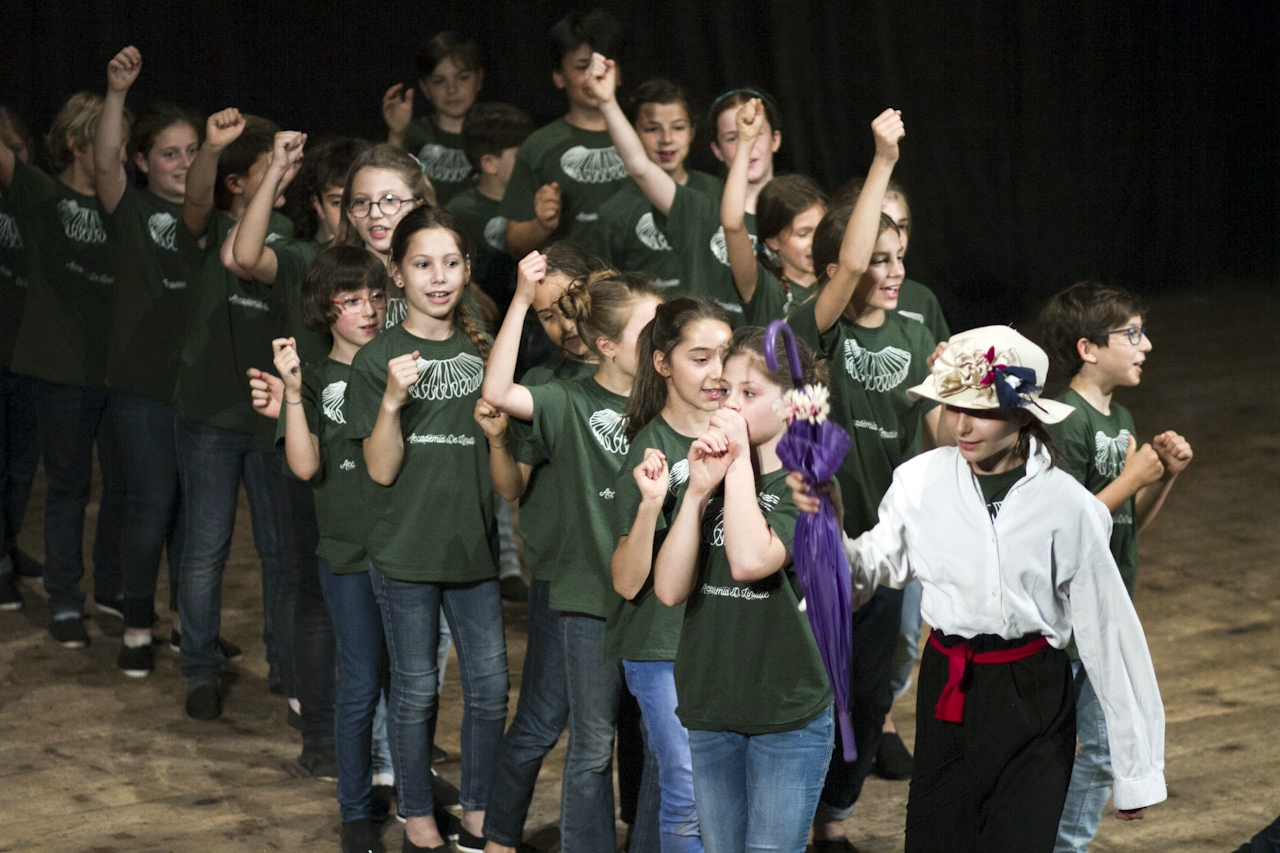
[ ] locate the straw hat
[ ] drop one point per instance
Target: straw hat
(992, 367)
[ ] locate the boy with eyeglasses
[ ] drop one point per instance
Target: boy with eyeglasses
(1095, 333)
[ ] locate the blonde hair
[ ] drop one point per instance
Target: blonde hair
(391, 158)
(76, 125)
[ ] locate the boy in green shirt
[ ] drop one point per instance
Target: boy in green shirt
(1095, 334)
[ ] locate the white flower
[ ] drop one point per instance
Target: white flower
(811, 403)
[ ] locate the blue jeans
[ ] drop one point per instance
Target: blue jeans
(72, 420)
(907, 650)
(593, 684)
(411, 623)
(654, 686)
(19, 454)
(146, 431)
(1090, 773)
(212, 463)
(541, 714)
(357, 627)
(759, 792)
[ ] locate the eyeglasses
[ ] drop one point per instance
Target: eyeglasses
(355, 304)
(1133, 333)
(387, 206)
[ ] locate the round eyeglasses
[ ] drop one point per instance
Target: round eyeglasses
(1133, 333)
(355, 304)
(387, 205)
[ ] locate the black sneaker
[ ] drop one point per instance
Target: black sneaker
(833, 845)
(230, 651)
(409, 847)
(26, 566)
(893, 759)
(360, 836)
(136, 661)
(513, 588)
(467, 843)
(70, 633)
(443, 792)
(108, 608)
(293, 719)
(204, 702)
(10, 598)
(320, 762)
(450, 828)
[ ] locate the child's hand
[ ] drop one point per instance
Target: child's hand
(266, 391)
(709, 460)
(123, 69)
(888, 131)
(402, 374)
(288, 365)
(750, 121)
(806, 497)
(287, 150)
(1131, 814)
(531, 271)
(1174, 451)
(602, 78)
(933, 356)
(546, 206)
(492, 420)
(397, 108)
(652, 476)
(223, 128)
(733, 426)
(1143, 463)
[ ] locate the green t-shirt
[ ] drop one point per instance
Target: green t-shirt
(292, 260)
(435, 522)
(234, 324)
(871, 370)
(644, 628)
(996, 486)
(774, 298)
(13, 277)
(583, 162)
(492, 268)
(155, 294)
(694, 232)
(66, 321)
(747, 661)
(630, 236)
(339, 483)
(1092, 447)
(581, 427)
(541, 519)
(917, 302)
(442, 156)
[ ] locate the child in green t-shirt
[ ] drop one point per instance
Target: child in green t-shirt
(749, 679)
(1095, 333)
(450, 77)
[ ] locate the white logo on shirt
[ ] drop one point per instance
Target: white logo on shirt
(608, 494)
(331, 400)
(449, 165)
(347, 465)
(9, 236)
(719, 247)
(464, 440)
(448, 378)
(396, 310)
(164, 230)
(609, 428)
(919, 318)
(766, 501)
(877, 371)
(744, 592)
(872, 426)
(649, 234)
(274, 237)
(495, 233)
(246, 302)
(1109, 453)
(173, 285)
(83, 225)
(593, 165)
(678, 476)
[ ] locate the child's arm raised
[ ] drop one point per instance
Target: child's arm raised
(500, 388)
(657, 185)
(508, 479)
(633, 557)
(676, 567)
(384, 448)
(860, 234)
(108, 172)
(221, 130)
(301, 447)
(1175, 455)
(733, 205)
(397, 112)
(250, 251)
(753, 549)
(525, 237)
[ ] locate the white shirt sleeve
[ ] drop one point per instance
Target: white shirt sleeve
(879, 556)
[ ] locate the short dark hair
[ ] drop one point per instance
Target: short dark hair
(568, 259)
(325, 165)
(492, 128)
(780, 202)
(660, 90)
(154, 120)
(1086, 309)
(338, 269)
(595, 28)
(448, 45)
(256, 139)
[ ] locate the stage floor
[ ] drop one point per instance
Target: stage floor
(93, 761)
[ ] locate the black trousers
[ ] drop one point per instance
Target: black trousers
(996, 782)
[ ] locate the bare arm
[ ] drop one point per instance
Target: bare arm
(754, 550)
(384, 448)
(1175, 455)
(633, 557)
(397, 112)
(526, 237)
(301, 447)
(657, 185)
(108, 172)
(250, 251)
(508, 480)
(500, 388)
(221, 130)
(861, 232)
(676, 567)
(733, 205)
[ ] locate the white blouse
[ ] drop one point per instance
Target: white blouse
(1042, 566)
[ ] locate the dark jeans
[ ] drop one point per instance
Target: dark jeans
(314, 653)
(212, 463)
(146, 431)
(72, 419)
(1266, 841)
(19, 454)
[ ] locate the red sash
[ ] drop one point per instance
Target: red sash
(950, 707)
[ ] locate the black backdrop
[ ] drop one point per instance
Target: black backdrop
(1046, 142)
